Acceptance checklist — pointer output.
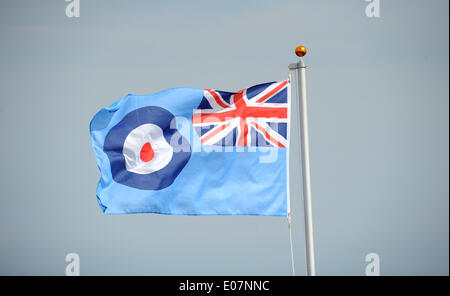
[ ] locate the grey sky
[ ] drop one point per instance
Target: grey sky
(378, 109)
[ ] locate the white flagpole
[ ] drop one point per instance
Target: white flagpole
(304, 139)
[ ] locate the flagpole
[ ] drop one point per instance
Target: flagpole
(304, 139)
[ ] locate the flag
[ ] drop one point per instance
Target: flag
(190, 151)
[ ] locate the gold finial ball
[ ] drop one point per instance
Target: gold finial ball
(300, 51)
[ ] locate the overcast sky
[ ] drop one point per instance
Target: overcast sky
(378, 109)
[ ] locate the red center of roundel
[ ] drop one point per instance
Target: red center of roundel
(147, 152)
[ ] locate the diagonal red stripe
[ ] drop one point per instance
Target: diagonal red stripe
(267, 134)
(272, 92)
(217, 98)
(213, 133)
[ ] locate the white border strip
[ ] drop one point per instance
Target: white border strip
(288, 146)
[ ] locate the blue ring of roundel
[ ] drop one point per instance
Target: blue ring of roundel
(115, 139)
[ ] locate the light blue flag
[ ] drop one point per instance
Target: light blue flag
(188, 151)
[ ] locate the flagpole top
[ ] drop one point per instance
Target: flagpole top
(300, 51)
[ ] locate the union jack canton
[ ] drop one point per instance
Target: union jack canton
(255, 116)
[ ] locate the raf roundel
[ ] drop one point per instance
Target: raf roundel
(140, 151)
